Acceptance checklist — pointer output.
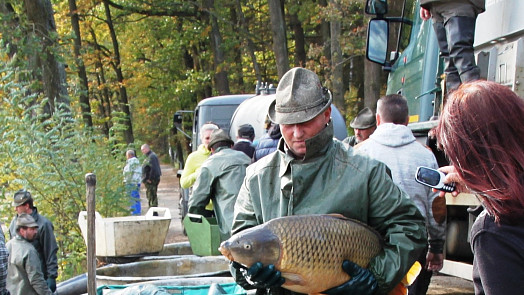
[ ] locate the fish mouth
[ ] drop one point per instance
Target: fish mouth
(224, 249)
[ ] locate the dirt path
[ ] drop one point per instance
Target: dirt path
(168, 195)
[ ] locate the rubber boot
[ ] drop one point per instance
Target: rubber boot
(452, 76)
(460, 31)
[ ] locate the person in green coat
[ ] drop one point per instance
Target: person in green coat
(24, 273)
(219, 180)
(313, 173)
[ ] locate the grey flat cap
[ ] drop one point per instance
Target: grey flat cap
(299, 98)
(365, 119)
(219, 135)
(26, 220)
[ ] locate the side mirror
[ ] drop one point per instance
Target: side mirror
(177, 120)
(376, 7)
(377, 42)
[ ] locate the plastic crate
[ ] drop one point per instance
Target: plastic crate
(228, 288)
(203, 234)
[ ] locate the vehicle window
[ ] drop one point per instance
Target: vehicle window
(405, 34)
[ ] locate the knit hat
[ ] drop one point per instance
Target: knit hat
(246, 131)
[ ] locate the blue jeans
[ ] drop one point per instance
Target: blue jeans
(133, 191)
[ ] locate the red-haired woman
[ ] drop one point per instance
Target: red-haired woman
(482, 132)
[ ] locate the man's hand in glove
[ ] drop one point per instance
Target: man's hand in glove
(260, 276)
(362, 281)
(51, 283)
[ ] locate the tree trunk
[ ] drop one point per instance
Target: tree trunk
(47, 69)
(123, 102)
(300, 42)
(249, 42)
(373, 77)
(221, 80)
(85, 106)
(337, 68)
(324, 32)
(278, 27)
(105, 101)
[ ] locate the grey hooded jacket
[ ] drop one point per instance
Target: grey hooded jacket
(395, 146)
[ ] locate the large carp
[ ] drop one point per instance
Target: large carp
(307, 249)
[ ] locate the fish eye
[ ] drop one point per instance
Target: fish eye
(247, 246)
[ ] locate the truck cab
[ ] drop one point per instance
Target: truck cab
(416, 71)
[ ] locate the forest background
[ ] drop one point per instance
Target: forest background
(81, 81)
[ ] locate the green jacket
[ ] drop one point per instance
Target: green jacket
(44, 243)
(24, 274)
(331, 179)
(219, 180)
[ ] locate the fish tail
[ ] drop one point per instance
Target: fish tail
(409, 278)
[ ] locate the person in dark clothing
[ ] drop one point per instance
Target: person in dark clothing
(45, 241)
(454, 24)
(245, 136)
(480, 133)
(150, 175)
(267, 143)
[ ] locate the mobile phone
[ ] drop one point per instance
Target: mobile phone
(433, 178)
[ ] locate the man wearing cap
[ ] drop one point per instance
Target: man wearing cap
(245, 136)
(364, 124)
(24, 273)
(219, 180)
(44, 242)
(312, 173)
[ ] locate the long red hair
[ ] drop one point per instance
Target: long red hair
(482, 132)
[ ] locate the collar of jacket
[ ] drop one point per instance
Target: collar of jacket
(202, 148)
(220, 148)
(316, 146)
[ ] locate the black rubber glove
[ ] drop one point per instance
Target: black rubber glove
(260, 276)
(51, 283)
(362, 281)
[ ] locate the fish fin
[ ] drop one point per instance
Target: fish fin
(337, 215)
(412, 274)
(293, 279)
(409, 278)
(400, 289)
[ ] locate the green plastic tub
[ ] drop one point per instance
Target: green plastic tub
(203, 234)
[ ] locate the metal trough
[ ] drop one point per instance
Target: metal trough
(187, 266)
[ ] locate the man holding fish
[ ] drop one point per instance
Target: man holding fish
(312, 173)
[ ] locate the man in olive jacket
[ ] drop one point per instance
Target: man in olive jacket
(151, 173)
(24, 274)
(312, 173)
(44, 242)
(219, 180)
